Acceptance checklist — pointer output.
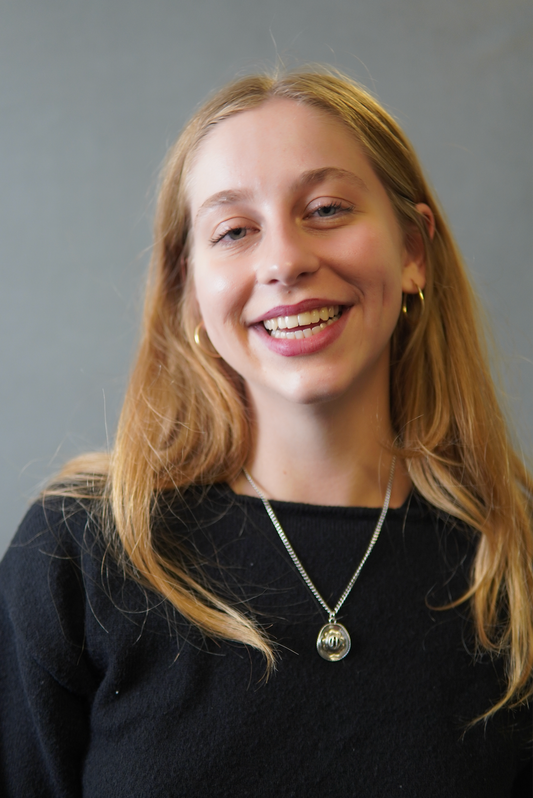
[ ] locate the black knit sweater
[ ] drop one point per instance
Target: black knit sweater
(106, 691)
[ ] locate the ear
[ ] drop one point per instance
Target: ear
(414, 270)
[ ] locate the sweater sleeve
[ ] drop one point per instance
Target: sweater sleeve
(45, 682)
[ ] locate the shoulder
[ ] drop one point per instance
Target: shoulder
(53, 535)
(43, 576)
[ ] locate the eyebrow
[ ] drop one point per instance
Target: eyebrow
(316, 176)
(226, 197)
(305, 180)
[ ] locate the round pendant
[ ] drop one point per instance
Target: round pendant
(333, 642)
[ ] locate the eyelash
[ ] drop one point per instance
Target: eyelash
(225, 233)
(337, 206)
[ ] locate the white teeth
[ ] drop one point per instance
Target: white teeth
(302, 319)
(319, 319)
(291, 321)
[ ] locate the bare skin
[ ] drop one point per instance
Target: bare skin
(289, 218)
(319, 466)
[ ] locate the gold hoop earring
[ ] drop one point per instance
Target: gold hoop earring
(421, 295)
(404, 300)
(198, 342)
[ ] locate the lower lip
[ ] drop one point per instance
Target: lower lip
(293, 347)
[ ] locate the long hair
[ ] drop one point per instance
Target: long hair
(185, 418)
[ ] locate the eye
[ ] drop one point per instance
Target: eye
(329, 209)
(229, 234)
(235, 233)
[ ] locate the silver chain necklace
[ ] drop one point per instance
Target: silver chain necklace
(333, 642)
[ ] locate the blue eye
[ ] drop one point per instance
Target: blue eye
(329, 210)
(233, 234)
(236, 233)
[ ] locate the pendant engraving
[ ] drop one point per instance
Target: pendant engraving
(333, 642)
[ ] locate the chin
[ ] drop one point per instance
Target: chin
(316, 393)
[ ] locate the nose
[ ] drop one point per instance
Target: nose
(286, 256)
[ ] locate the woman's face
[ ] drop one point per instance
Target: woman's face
(298, 259)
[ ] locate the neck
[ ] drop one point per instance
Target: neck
(335, 453)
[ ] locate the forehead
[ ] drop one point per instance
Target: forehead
(273, 144)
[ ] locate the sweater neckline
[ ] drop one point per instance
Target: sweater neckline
(414, 504)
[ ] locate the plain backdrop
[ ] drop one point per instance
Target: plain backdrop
(92, 92)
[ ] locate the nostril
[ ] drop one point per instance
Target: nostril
(287, 272)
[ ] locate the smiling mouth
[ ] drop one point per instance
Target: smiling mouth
(304, 325)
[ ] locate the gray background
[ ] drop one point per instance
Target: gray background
(93, 91)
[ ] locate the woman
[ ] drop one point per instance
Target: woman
(310, 336)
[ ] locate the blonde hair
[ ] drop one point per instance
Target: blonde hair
(185, 420)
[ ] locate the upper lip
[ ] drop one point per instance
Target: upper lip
(293, 310)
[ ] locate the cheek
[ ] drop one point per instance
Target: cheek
(220, 296)
(373, 260)
(210, 289)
